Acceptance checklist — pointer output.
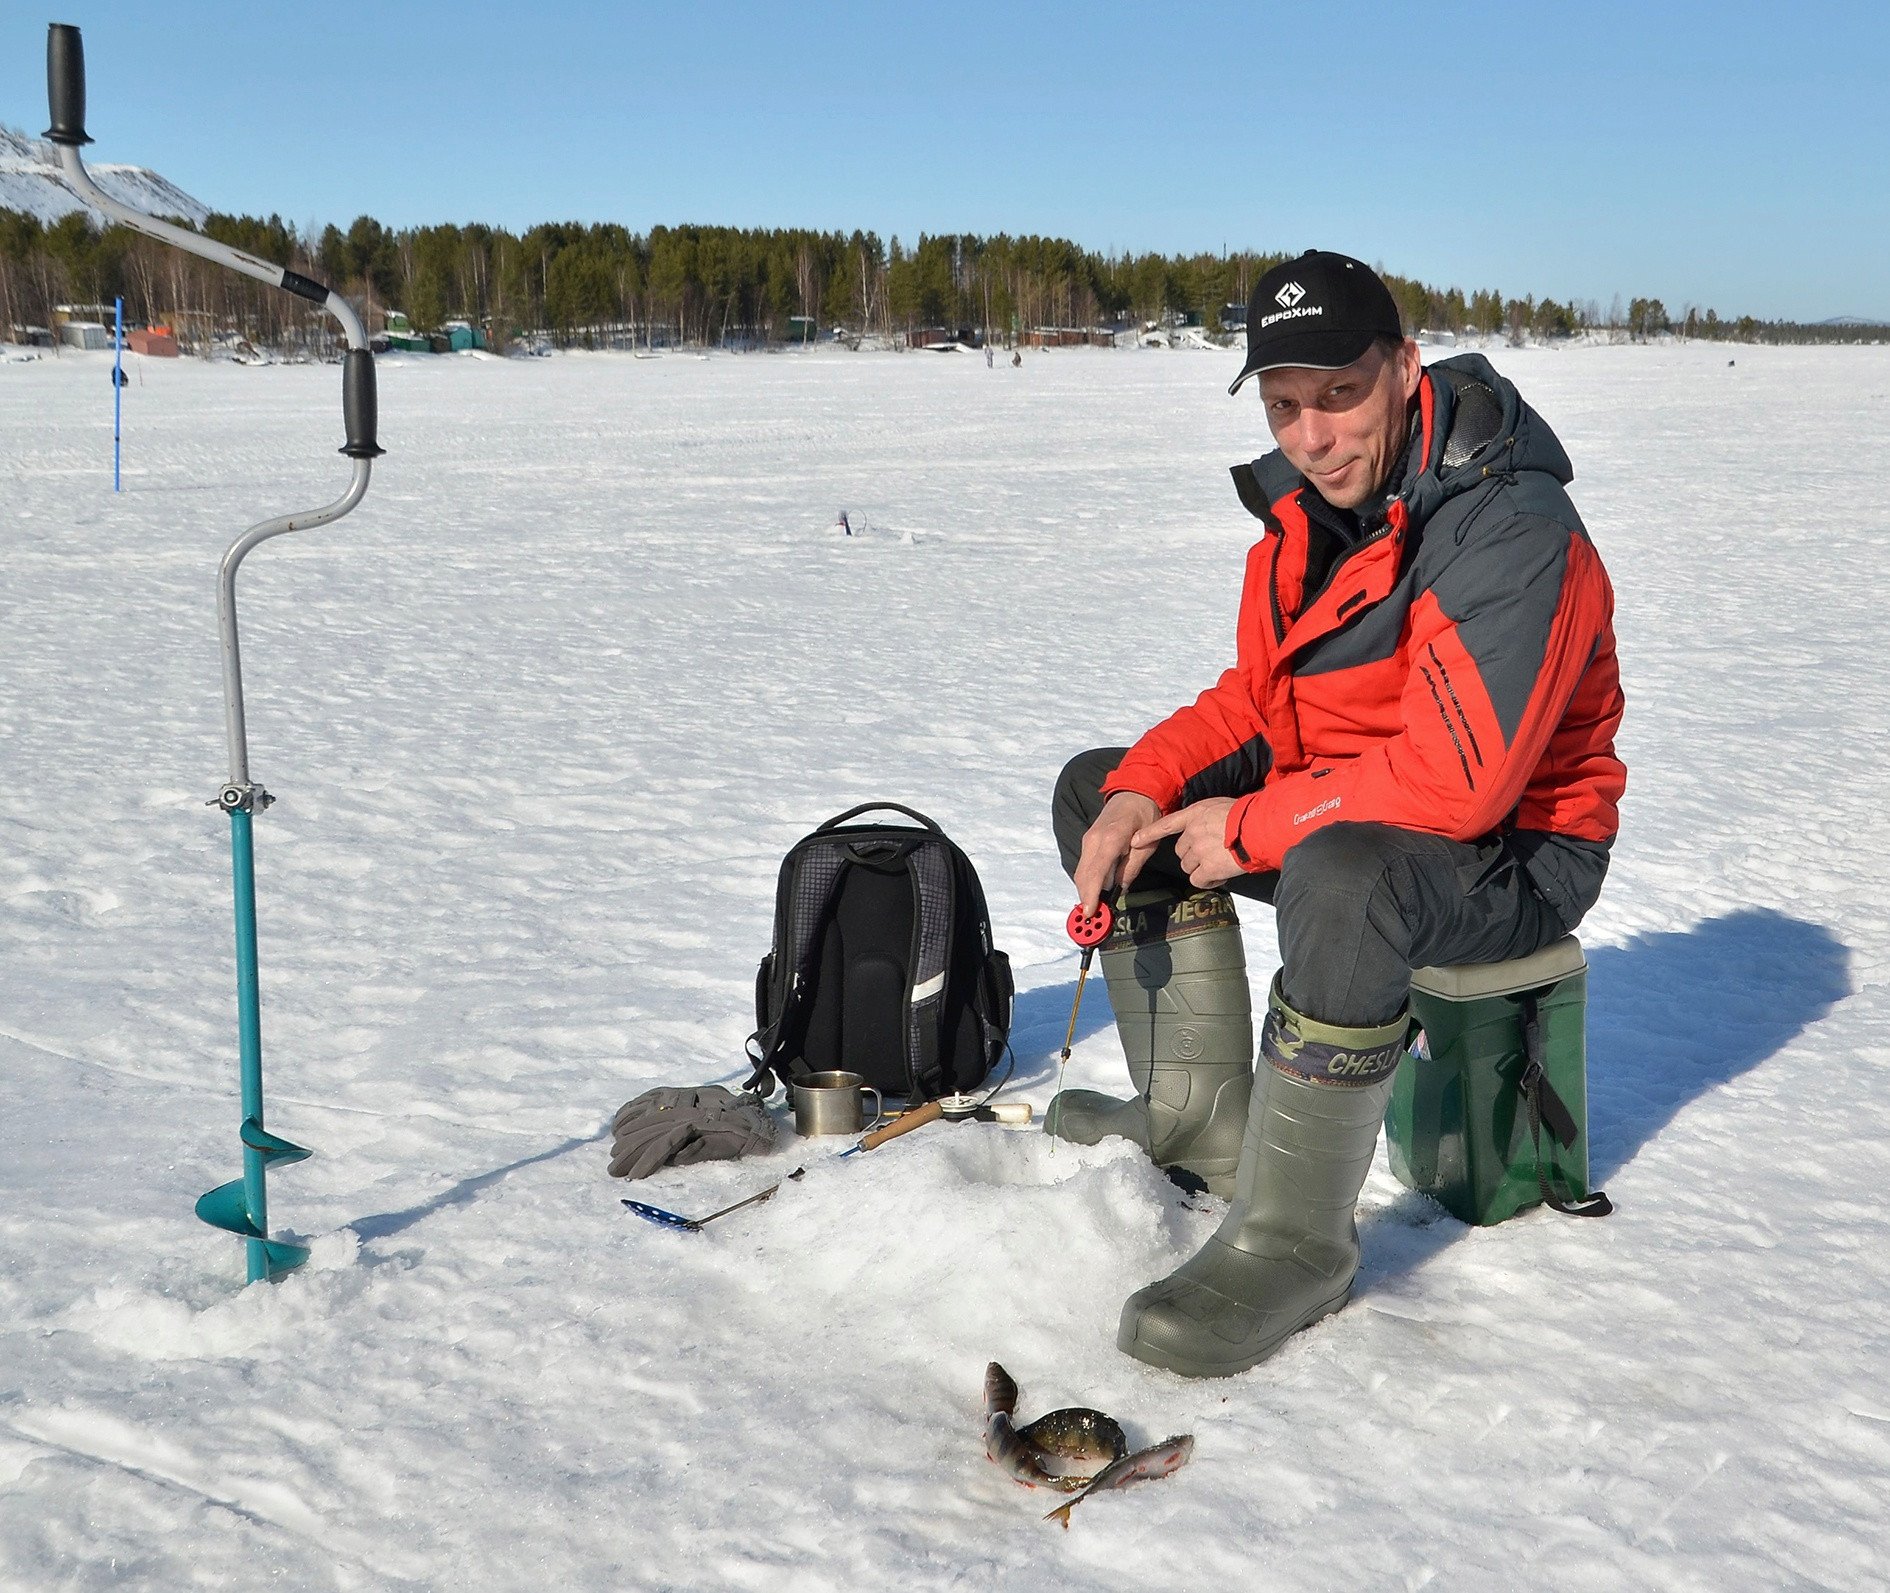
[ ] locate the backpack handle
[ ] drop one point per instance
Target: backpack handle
(871, 807)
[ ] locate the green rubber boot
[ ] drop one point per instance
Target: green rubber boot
(1288, 1249)
(1177, 977)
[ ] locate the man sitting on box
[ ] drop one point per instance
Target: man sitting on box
(1412, 759)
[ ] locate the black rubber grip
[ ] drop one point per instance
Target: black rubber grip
(359, 405)
(65, 84)
(305, 287)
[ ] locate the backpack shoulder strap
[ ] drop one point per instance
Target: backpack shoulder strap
(808, 889)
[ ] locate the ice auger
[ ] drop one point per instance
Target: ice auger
(240, 1206)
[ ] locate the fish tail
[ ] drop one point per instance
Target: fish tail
(1062, 1513)
(1000, 1392)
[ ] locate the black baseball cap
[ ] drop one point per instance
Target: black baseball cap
(1320, 312)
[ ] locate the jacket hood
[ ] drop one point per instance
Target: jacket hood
(1478, 427)
(1472, 424)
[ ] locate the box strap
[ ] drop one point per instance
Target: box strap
(1547, 1107)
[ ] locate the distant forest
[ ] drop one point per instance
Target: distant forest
(580, 285)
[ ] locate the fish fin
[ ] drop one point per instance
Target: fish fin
(1062, 1513)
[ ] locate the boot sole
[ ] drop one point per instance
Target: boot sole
(1154, 1355)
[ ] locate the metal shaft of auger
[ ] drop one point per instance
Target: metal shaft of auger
(249, 1039)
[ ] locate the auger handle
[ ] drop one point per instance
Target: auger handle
(65, 96)
(65, 84)
(359, 406)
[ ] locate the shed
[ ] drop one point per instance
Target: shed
(85, 334)
(153, 340)
(1069, 337)
(101, 313)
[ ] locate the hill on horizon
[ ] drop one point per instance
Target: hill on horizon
(30, 181)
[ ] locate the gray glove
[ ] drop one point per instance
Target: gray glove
(676, 1127)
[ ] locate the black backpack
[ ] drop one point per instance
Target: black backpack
(882, 963)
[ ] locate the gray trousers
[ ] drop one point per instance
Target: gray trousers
(1358, 905)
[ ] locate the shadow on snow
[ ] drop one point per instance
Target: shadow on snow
(1041, 1017)
(384, 1224)
(1672, 1015)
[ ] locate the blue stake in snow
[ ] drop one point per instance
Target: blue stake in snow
(118, 382)
(241, 1206)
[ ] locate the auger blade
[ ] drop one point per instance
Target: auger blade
(282, 1256)
(275, 1149)
(225, 1208)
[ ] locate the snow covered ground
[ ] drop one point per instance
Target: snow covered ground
(542, 717)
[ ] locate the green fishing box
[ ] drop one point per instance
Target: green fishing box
(1458, 1124)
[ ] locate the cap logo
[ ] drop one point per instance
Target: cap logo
(1289, 295)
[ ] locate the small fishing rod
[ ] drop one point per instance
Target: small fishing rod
(1089, 930)
(241, 1207)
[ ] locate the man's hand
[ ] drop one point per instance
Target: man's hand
(1198, 830)
(1110, 857)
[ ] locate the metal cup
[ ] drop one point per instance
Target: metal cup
(830, 1103)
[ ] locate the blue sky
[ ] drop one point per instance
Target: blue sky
(1734, 155)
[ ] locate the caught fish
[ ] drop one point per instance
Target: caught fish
(1065, 1449)
(1074, 1445)
(1158, 1460)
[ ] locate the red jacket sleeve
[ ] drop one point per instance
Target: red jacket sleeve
(1496, 650)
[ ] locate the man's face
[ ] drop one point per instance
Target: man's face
(1342, 430)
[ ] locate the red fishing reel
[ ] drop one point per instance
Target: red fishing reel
(1090, 929)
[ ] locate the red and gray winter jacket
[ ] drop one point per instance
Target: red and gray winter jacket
(1451, 672)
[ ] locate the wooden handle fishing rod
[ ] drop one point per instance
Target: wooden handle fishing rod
(904, 1123)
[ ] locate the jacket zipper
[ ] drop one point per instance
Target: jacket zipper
(1332, 575)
